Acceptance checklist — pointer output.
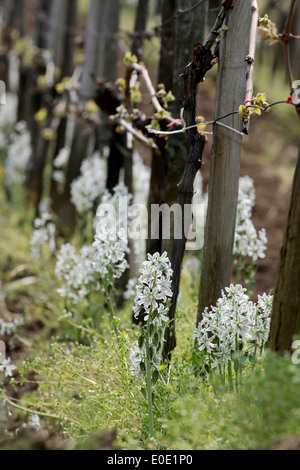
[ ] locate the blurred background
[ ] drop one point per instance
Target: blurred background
(44, 42)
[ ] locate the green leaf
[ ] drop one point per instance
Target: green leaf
(155, 376)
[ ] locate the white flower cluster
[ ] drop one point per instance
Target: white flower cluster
(45, 205)
(97, 265)
(137, 356)
(154, 288)
(247, 241)
(18, 155)
(110, 248)
(235, 325)
(60, 163)
(92, 266)
(113, 209)
(153, 292)
(88, 188)
(7, 368)
(44, 233)
(8, 117)
(33, 424)
(76, 271)
(8, 328)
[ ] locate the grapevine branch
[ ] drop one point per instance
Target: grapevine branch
(140, 137)
(142, 70)
(194, 74)
(286, 36)
(251, 61)
(216, 121)
(215, 32)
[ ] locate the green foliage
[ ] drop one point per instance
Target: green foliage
(83, 377)
(91, 390)
(267, 30)
(130, 59)
(266, 409)
(259, 104)
(89, 386)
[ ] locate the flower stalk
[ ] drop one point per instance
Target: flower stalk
(232, 332)
(151, 306)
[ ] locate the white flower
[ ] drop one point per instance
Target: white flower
(237, 290)
(160, 317)
(247, 241)
(261, 245)
(33, 423)
(8, 328)
(154, 285)
(110, 250)
(236, 324)
(221, 357)
(88, 188)
(265, 304)
(75, 271)
(62, 158)
(112, 212)
(135, 359)
(59, 176)
(18, 156)
(7, 368)
(45, 206)
(8, 117)
(44, 233)
(153, 292)
(204, 341)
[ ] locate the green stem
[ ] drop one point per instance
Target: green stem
(112, 317)
(230, 375)
(240, 269)
(26, 410)
(149, 393)
(110, 305)
(149, 378)
(221, 375)
(86, 330)
(111, 308)
(237, 379)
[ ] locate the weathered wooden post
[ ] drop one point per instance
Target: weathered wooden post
(225, 160)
